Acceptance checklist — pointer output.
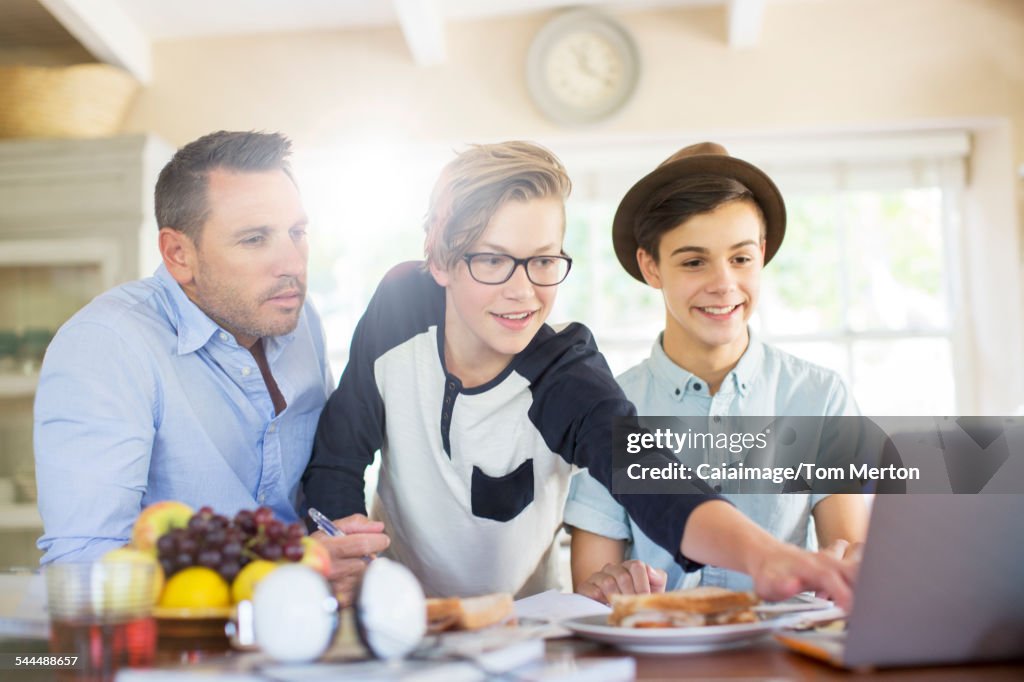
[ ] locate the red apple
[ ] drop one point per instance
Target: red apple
(157, 519)
(315, 556)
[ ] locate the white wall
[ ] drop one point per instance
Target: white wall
(820, 65)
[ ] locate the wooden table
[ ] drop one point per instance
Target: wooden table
(770, 661)
(764, 661)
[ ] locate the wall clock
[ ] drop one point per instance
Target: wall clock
(581, 67)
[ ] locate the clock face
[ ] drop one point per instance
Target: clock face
(584, 69)
(581, 68)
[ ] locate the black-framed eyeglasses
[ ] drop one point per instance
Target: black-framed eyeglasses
(497, 268)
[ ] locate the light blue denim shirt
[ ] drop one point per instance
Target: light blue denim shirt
(765, 382)
(144, 398)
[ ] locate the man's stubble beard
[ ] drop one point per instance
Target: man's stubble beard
(229, 308)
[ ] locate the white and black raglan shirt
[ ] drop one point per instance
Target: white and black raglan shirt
(473, 481)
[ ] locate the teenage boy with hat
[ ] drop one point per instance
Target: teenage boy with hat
(700, 227)
(481, 410)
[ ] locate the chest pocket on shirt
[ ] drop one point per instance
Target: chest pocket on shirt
(502, 498)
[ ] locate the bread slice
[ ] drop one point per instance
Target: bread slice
(469, 613)
(684, 608)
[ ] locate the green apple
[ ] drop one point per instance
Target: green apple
(157, 519)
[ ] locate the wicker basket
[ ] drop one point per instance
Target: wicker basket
(85, 100)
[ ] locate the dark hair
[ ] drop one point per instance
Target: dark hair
(678, 201)
(181, 189)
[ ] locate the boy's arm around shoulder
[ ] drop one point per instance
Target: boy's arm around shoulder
(351, 426)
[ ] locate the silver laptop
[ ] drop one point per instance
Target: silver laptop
(941, 581)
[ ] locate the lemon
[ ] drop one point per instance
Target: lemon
(248, 577)
(196, 587)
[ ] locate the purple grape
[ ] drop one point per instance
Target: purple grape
(247, 525)
(263, 515)
(183, 560)
(293, 552)
(165, 544)
(214, 538)
(229, 569)
(210, 558)
(188, 545)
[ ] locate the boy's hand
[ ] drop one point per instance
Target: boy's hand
(786, 570)
(629, 577)
(363, 538)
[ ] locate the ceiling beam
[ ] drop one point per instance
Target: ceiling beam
(423, 26)
(745, 18)
(103, 28)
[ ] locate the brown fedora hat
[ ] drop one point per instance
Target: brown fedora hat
(705, 158)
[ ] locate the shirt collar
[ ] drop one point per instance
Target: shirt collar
(747, 370)
(195, 328)
(679, 381)
(671, 376)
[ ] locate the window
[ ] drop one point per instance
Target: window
(890, 273)
(864, 283)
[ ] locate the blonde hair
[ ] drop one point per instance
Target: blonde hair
(478, 182)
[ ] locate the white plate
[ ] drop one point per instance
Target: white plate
(669, 640)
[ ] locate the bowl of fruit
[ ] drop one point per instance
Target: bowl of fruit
(208, 563)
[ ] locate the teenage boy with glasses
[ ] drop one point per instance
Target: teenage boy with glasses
(481, 410)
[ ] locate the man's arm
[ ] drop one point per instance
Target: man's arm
(94, 431)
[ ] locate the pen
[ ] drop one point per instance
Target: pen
(324, 523)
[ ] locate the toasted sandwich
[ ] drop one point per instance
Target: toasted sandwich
(469, 613)
(683, 609)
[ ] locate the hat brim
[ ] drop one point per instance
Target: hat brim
(761, 186)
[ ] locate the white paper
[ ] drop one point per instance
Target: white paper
(542, 613)
(555, 606)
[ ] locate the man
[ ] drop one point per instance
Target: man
(202, 383)
(699, 228)
(481, 410)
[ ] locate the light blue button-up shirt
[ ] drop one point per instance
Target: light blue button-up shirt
(144, 398)
(765, 382)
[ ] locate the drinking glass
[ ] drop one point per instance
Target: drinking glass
(101, 613)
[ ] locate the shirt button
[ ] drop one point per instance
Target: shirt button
(451, 385)
(718, 489)
(272, 428)
(445, 416)
(677, 391)
(696, 387)
(246, 371)
(717, 419)
(262, 498)
(223, 336)
(743, 385)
